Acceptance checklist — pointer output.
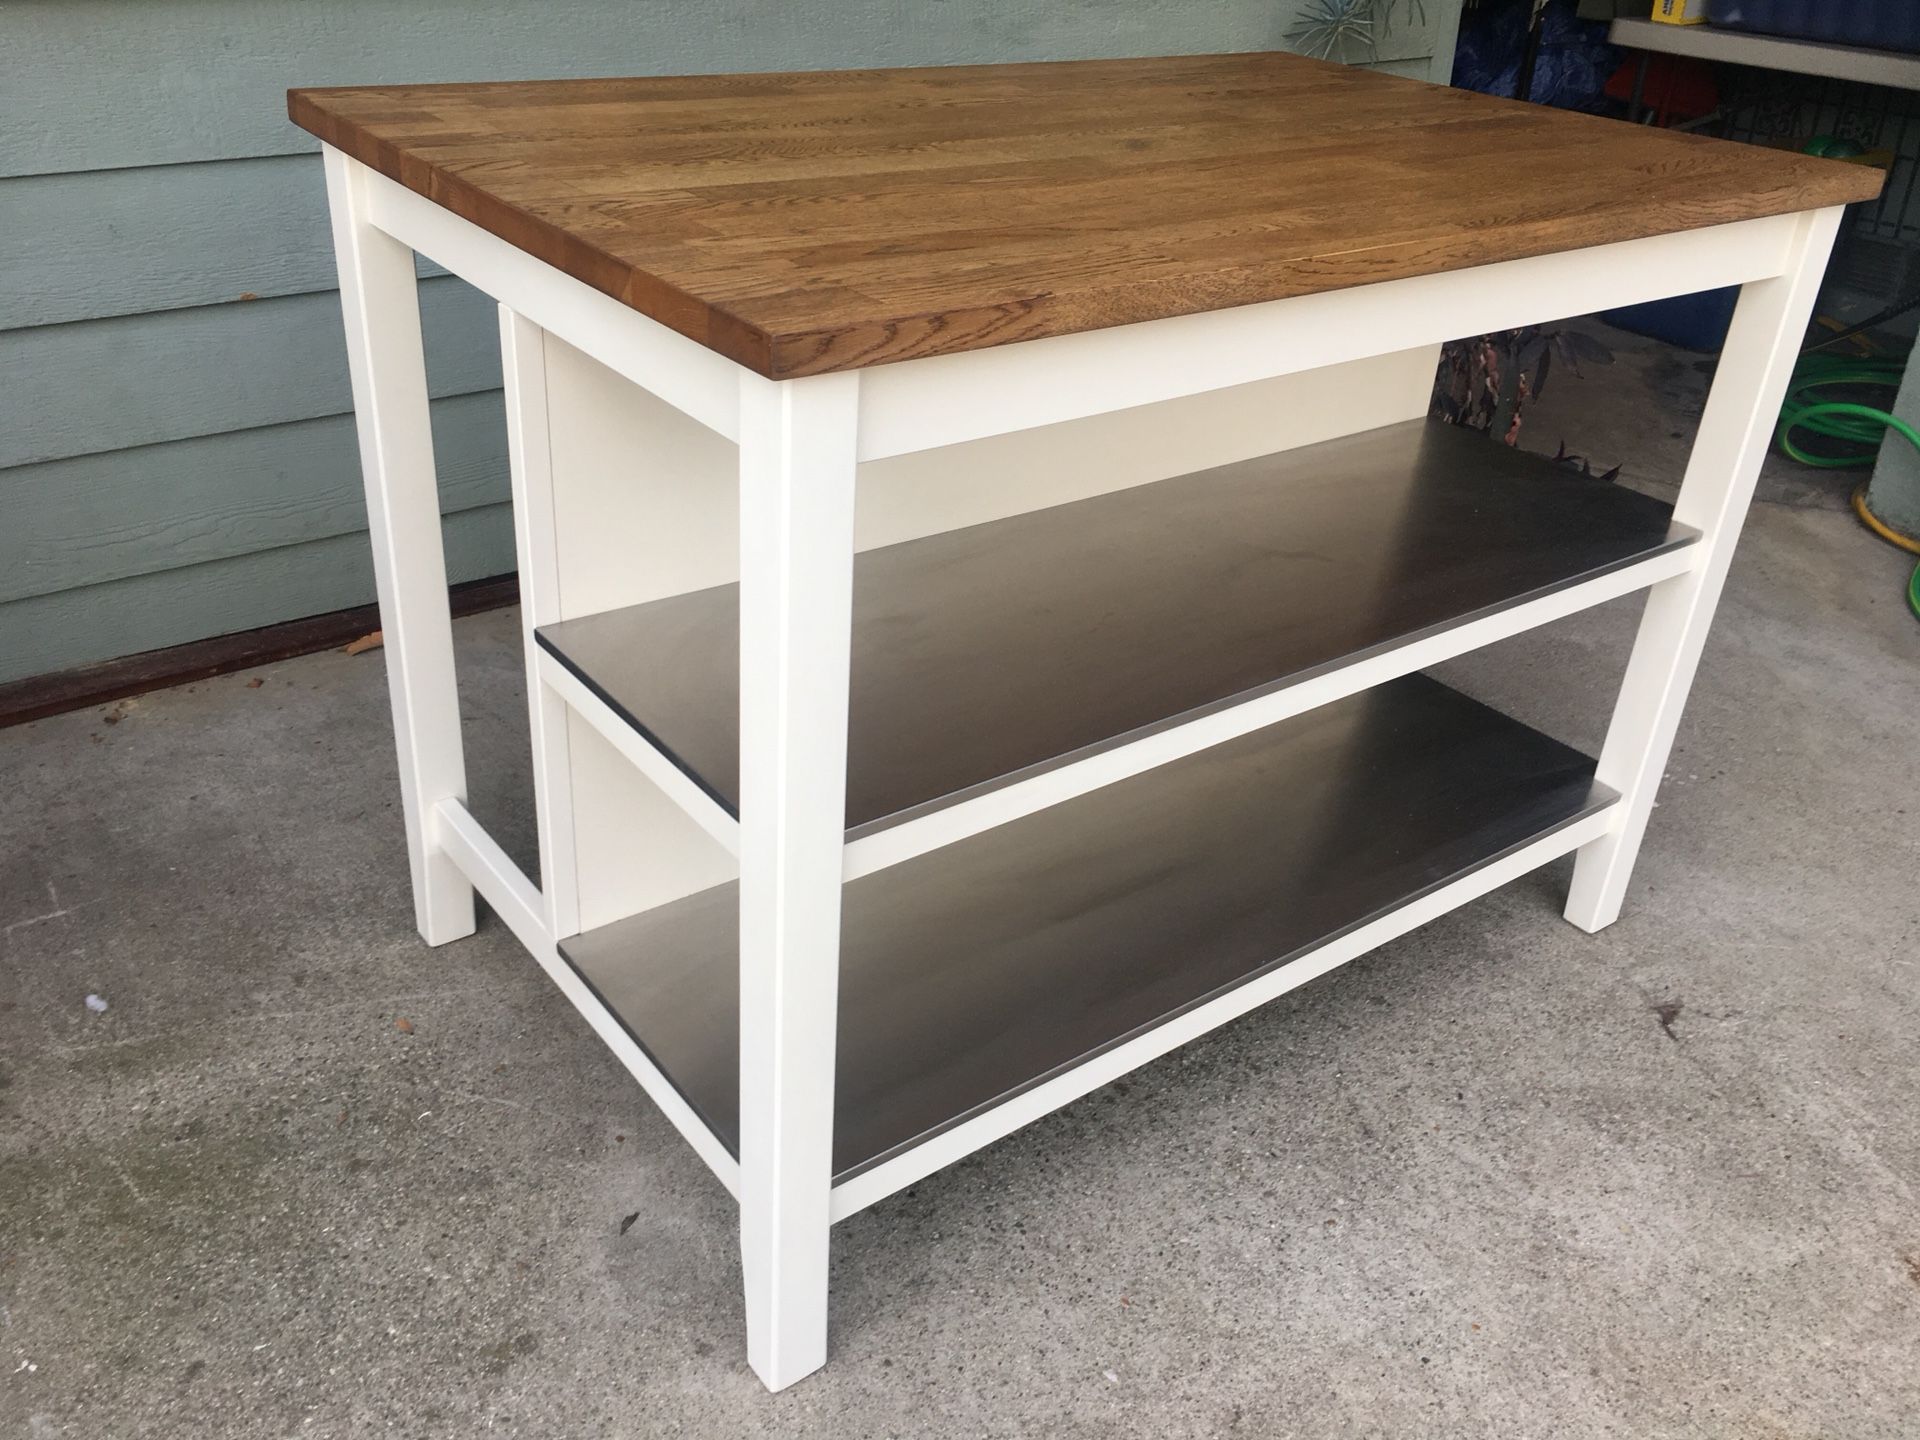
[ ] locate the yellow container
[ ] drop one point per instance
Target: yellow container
(1680, 12)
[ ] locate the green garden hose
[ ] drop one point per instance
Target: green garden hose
(1849, 424)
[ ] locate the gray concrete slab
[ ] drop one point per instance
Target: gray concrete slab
(1497, 1179)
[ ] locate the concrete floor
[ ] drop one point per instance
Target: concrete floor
(1497, 1179)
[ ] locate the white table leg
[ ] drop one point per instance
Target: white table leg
(797, 464)
(389, 373)
(523, 365)
(1735, 431)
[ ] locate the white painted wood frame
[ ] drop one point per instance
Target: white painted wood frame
(1743, 409)
(801, 445)
(523, 365)
(796, 613)
(381, 308)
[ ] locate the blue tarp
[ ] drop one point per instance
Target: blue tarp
(1882, 24)
(1575, 60)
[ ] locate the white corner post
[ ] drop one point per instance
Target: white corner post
(797, 464)
(1736, 429)
(523, 369)
(388, 368)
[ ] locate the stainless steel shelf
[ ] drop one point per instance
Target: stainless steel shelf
(974, 973)
(990, 654)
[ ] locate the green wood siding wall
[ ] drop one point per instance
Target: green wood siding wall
(176, 440)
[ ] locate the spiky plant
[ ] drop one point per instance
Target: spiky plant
(1349, 29)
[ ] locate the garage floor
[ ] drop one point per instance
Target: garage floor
(1499, 1178)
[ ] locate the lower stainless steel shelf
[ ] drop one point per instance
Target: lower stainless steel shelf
(972, 973)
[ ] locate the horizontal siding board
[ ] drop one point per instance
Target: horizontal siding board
(179, 460)
(97, 84)
(107, 517)
(126, 242)
(147, 379)
(146, 612)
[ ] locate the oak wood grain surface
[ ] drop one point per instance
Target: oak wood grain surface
(828, 220)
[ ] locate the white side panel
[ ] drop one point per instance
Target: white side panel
(929, 491)
(638, 752)
(634, 847)
(646, 500)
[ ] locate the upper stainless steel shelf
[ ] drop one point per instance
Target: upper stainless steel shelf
(986, 654)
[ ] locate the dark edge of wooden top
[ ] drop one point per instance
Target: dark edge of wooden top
(888, 337)
(940, 951)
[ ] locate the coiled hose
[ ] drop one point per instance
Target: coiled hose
(1850, 425)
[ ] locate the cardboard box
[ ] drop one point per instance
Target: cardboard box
(1680, 12)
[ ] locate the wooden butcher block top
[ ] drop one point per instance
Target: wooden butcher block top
(820, 221)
